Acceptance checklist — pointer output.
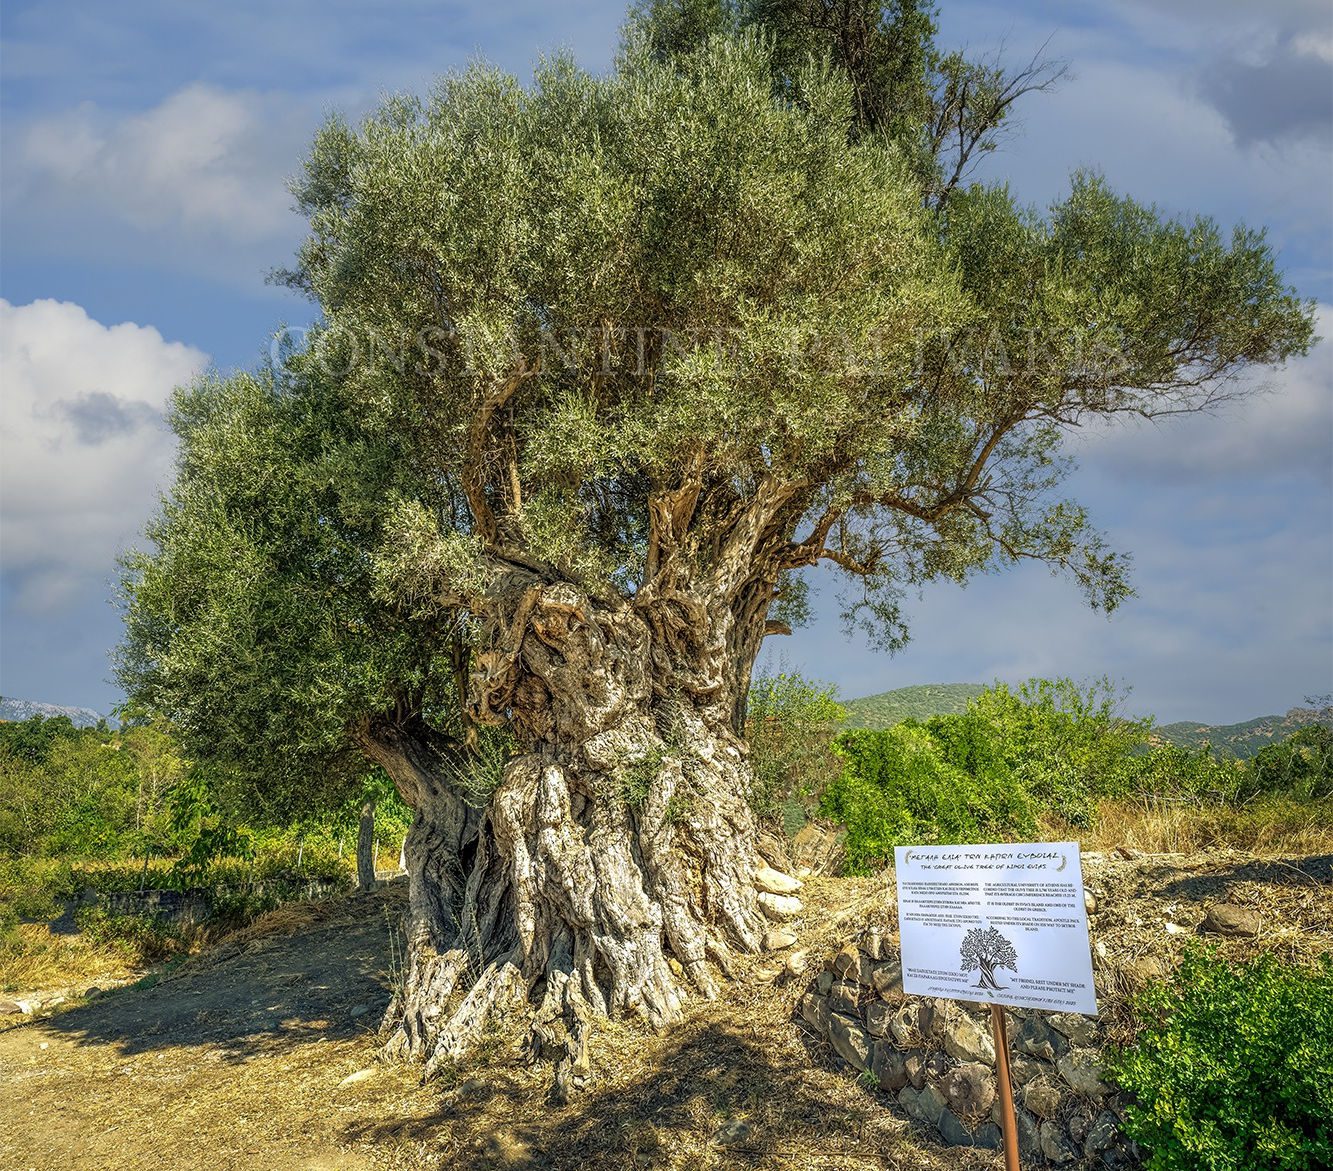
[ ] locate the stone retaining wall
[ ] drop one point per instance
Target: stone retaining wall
(196, 906)
(937, 1058)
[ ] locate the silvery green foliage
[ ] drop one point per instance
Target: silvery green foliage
(668, 273)
(553, 312)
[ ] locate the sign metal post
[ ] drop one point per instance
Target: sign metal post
(1009, 1123)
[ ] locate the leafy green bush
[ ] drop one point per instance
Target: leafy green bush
(86, 792)
(791, 724)
(1059, 751)
(899, 786)
(1064, 742)
(1168, 770)
(35, 888)
(1302, 766)
(31, 740)
(1233, 1068)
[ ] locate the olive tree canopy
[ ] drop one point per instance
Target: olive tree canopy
(603, 364)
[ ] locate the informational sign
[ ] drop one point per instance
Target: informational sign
(997, 924)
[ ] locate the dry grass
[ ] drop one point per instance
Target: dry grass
(35, 957)
(287, 919)
(1160, 825)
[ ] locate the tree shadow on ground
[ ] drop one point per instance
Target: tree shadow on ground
(254, 996)
(1315, 870)
(724, 1094)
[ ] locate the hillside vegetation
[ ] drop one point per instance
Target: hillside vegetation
(1050, 760)
(910, 703)
(15, 710)
(91, 811)
(1243, 740)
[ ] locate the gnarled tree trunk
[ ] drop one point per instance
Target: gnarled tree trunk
(614, 865)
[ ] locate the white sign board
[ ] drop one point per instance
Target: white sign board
(1001, 924)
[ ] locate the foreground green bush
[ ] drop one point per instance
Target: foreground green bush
(1233, 1068)
(899, 786)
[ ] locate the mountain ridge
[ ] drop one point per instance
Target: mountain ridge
(918, 702)
(15, 710)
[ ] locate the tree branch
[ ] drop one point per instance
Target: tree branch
(474, 477)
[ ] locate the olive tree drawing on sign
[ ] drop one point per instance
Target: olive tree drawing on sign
(985, 950)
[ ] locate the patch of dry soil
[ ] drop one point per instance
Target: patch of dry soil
(239, 1057)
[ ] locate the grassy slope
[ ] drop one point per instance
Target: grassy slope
(929, 699)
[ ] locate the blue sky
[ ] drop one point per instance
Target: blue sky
(144, 148)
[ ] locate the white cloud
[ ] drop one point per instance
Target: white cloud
(84, 446)
(1315, 44)
(1134, 109)
(204, 161)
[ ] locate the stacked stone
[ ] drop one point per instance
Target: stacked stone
(937, 1058)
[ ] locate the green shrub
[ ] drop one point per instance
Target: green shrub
(875, 822)
(1233, 1067)
(1064, 742)
(899, 786)
(1301, 766)
(791, 725)
(35, 888)
(1171, 771)
(32, 739)
(142, 937)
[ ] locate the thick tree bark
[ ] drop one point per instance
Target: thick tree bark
(613, 869)
(365, 848)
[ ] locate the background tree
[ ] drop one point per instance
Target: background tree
(603, 363)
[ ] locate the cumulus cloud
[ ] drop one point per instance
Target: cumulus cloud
(204, 161)
(84, 445)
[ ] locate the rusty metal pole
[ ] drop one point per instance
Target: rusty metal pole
(1008, 1120)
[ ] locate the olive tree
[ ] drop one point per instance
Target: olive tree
(604, 363)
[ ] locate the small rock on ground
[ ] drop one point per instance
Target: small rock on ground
(734, 1131)
(1229, 919)
(352, 1079)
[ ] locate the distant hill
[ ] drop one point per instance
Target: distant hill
(1241, 740)
(903, 703)
(938, 699)
(25, 709)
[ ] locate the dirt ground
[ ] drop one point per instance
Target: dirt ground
(238, 1058)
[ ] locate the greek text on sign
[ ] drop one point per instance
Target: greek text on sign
(1000, 924)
